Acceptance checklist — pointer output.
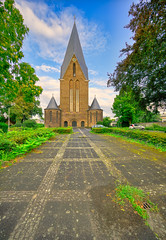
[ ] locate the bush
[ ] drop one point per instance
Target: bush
(61, 130)
(17, 125)
(39, 125)
(156, 127)
(3, 126)
(6, 145)
(152, 137)
(30, 123)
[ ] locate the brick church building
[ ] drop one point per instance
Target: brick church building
(73, 110)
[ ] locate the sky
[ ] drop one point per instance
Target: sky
(100, 25)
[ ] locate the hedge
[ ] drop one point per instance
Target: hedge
(61, 130)
(152, 137)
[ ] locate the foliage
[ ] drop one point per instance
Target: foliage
(136, 197)
(156, 127)
(3, 126)
(127, 109)
(18, 90)
(15, 143)
(124, 107)
(106, 121)
(30, 123)
(61, 130)
(156, 138)
(12, 33)
(143, 68)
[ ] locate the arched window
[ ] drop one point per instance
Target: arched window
(90, 117)
(77, 96)
(82, 124)
(50, 116)
(74, 69)
(96, 117)
(71, 95)
(57, 116)
(65, 124)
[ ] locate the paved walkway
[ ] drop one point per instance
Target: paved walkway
(59, 191)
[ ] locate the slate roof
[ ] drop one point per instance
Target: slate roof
(95, 105)
(52, 104)
(74, 47)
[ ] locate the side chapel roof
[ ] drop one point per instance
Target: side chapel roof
(95, 105)
(52, 104)
(74, 47)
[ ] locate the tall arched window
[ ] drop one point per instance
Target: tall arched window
(96, 116)
(74, 69)
(50, 116)
(77, 96)
(90, 117)
(71, 95)
(57, 116)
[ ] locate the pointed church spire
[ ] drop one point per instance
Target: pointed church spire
(74, 47)
(95, 105)
(52, 104)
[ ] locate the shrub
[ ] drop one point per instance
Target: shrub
(62, 130)
(30, 123)
(3, 126)
(152, 137)
(17, 125)
(6, 145)
(39, 125)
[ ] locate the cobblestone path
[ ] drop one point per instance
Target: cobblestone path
(59, 191)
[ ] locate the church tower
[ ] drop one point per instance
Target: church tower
(74, 88)
(74, 84)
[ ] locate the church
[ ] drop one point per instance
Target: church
(74, 110)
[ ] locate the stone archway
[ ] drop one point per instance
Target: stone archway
(82, 124)
(74, 124)
(65, 124)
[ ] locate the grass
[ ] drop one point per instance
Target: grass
(136, 197)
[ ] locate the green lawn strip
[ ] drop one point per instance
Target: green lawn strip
(156, 140)
(136, 197)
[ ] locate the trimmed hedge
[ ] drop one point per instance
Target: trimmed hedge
(152, 137)
(61, 130)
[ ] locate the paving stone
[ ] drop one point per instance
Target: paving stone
(23, 176)
(142, 172)
(65, 220)
(80, 153)
(9, 215)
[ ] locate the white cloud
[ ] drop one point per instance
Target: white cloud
(51, 31)
(93, 72)
(46, 68)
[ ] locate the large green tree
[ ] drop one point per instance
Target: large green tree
(144, 65)
(17, 80)
(127, 109)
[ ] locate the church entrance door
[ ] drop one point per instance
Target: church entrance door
(74, 124)
(65, 124)
(82, 124)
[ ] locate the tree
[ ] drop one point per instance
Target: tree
(123, 107)
(144, 65)
(18, 88)
(12, 33)
(25, 104)
(128, 110)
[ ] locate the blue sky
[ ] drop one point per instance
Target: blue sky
(102, 34)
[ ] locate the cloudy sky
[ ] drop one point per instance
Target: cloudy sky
(100, 25)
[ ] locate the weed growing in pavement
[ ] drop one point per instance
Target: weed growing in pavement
(136, 197)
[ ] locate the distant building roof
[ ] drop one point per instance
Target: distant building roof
(95, 105)
(52, 104)
(74, 47)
